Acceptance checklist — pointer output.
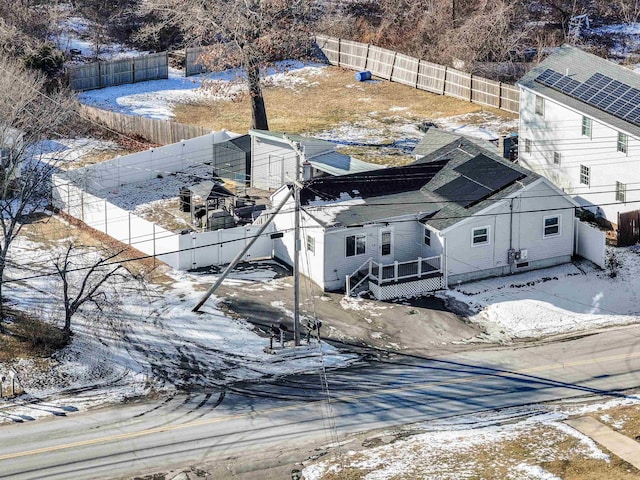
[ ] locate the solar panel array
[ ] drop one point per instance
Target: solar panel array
(480, 177)
(600, 91)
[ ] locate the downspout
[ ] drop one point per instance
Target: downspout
(511, 234)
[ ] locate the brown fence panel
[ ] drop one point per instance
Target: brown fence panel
(84, 77)
(457, 84)
(405, 70)
(353, 54)
(485, 92)
(116, 72)
(163, 132)
(151, 67)
(431, 77)
(380, 62)
(629, 228)
(192, 64)
(510, 98)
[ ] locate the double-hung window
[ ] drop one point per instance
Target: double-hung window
(586, 127)
(356, 245)
(621, 192)
(557, 158)
(551, 226)
(311, 244)
(527, 145)
(539, 105)
(427, 237)
(585, 175)
(623, 142)
(385, 243)
(480, 236)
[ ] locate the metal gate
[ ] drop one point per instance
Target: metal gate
(628, 228)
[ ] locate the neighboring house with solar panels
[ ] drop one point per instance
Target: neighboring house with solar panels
(580, 128)
(457, 214)
(273, 159)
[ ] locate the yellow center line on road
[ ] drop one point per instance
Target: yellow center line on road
(348, 398)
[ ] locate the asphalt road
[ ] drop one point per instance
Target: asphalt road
(258, 426)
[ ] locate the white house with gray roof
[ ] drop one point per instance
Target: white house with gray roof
(580, 128)
(273, 159)
(458, 214)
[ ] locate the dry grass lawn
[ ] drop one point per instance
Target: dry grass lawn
(329, 100)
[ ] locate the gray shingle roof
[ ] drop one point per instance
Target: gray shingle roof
(580, 65)
(434, 139)
(409, 190)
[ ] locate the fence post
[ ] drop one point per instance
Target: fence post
(444, 81)
(366, 57)
(418, 73)
(339, 52)
(499, 95)
(471, 87)
(348, 286)
(395, 270)
(379, 273)
(419, 267)
(393, 64)
(154, 245)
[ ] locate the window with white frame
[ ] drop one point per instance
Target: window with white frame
(311, 244)
(623, 142)
(551, 226)
(356, 245)
(585, 175)
(621, 192)
(539, 105)
(427, 237)
(557, 158)
(480, 236)
(385, 243)
(586, 127)
(527, 145)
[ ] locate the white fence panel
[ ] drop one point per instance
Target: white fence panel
(353, 54)
(590, 243)
(405, 70)
(380, 62)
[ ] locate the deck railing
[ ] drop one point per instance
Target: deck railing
(393, 272)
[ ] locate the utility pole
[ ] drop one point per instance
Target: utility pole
(296, 259)
(297, 185)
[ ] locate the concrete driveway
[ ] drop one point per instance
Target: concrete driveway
(422, 326)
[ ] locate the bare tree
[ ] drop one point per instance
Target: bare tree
(246, 33)
(27, 116)
(84, 280)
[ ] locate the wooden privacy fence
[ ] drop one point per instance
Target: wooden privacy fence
(118, 72)
(419, 74)
(162, 132)
(628, 228)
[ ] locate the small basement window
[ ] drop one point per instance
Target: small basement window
(522, 265)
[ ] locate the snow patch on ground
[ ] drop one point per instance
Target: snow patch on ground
(558, 300)
(156, 98)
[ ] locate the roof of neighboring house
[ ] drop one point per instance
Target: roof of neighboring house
(441, 189)
(580, 66)
(335, 163)
(434, 139)
(282, 137)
